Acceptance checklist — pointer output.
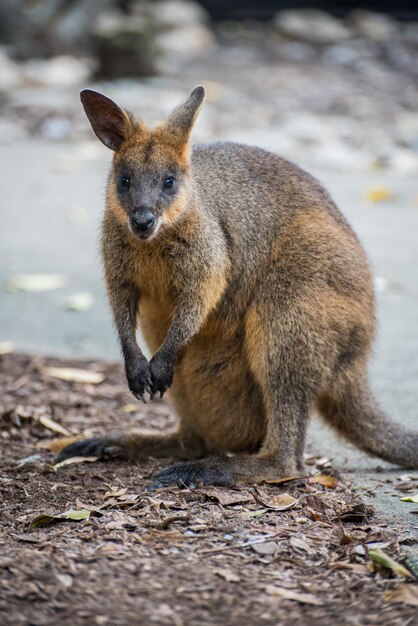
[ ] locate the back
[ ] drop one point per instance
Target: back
(256, 196)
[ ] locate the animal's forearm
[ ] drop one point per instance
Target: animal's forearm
(124, 301)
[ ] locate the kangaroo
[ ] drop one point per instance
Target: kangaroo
(253, 294)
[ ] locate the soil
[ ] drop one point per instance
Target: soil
(215, 556)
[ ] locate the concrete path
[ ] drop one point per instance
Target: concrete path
(51, 205)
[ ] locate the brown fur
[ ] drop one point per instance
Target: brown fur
(255, 292)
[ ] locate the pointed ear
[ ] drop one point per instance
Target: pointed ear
(180, 122)
(111, 124)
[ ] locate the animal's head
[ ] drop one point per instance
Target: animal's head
(150, 175)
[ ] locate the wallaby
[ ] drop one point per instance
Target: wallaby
(253, 294)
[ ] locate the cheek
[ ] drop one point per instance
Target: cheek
(116, 206)
(173, 211)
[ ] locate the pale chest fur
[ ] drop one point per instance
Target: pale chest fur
(153, 275)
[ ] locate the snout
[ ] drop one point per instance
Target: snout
(143, 223)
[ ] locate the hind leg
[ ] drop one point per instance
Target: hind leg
(283, 356)
(281, 453)
(137, 446)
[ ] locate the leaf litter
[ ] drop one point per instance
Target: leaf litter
(210, 555)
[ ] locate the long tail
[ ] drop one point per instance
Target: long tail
(355, 414)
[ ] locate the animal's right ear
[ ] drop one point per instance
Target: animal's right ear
(111, 124)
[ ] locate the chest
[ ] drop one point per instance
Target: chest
(160, 275)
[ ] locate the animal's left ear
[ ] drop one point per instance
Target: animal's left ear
(180, 122)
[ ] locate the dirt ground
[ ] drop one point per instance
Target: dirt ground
(175, 556)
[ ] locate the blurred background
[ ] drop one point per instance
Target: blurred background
(333, 88)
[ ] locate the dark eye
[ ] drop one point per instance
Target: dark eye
(125, 182)
(169, 182)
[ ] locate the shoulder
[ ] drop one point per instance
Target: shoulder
(228, 149)
(231, 156)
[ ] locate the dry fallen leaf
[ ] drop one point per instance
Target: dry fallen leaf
(81, 301)
(129, 408)
(289, 594)
(6, 347)
(325, 480)
(315, 515)
(53, 425)
(383, 559)
(281, 502)
(76, 459)
(408, 594)
(37, 282)
(378, 193)
(74, 374)
(286, 479)
(72, 515)
(226, 498)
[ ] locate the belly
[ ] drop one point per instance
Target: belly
(214, 393)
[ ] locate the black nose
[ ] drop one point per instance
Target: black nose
(143, 220)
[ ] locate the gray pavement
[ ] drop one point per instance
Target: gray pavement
(52, 196)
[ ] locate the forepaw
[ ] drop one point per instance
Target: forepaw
(139, 378)
(191, 475)
(162, 374)
(102, 447)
